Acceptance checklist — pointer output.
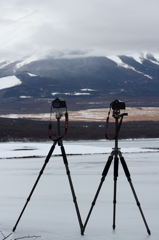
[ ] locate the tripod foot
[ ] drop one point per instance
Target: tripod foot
(149, 232)
(82, 233)
(113, 227)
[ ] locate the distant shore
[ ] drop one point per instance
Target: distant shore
(12, 129)
(94, 115)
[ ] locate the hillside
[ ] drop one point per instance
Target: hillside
(89, 77)
(92, 82)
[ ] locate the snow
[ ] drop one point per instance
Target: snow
(4, 63)
(25, 96)
(120, 63)
(87, 89)
(32, 75)
(27, 60)
(55, 93)
(156, 56)
(138, 57)
(74, 93)
(50, 212)
(115, 59)
(132, 68)
(7, 82)
(81, 94)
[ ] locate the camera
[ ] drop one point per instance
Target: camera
(117, 105)
(57, 103)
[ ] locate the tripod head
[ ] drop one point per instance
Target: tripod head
(117, 115)
(58, 114)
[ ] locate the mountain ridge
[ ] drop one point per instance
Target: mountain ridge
(83, 79)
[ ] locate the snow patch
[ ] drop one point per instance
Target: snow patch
(4, 64)
(115, 59)
(87, 89)
(55, 93)
(137, 57)
(25, 97)
(26, 61)
(32, 75)
(7, 82)
(156, 56)
(77, 94)
(132, 68)
(72, 94)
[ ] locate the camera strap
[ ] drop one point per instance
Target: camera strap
(117, 130)
(50, 127)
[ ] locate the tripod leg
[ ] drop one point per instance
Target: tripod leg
(116, 164)
(105, 171)
(40, 173)
(71, 186)
(127, 173)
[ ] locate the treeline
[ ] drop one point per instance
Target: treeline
(31, 130)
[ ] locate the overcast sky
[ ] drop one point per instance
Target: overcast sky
(64, 28)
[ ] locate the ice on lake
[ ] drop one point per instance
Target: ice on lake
(51, 213)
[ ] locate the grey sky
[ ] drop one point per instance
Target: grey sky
(78, 27)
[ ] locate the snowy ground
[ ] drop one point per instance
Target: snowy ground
(51, 212)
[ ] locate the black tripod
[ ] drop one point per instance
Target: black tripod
(115, 153)
(59, 141)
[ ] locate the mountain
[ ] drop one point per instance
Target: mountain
(80, 79)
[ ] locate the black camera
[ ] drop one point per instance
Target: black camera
(57, 103)
(117, 105)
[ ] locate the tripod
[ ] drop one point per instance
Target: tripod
(114, 154)
(60, 143)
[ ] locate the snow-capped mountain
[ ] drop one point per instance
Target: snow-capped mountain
(91, 77)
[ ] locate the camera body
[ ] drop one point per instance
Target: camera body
(57, 103)
(117, 105)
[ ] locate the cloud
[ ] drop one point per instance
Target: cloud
(75, 28)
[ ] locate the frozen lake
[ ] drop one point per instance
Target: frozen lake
(51, 214)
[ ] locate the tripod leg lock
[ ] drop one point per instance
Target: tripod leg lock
(107, 166)
(103, 178)
(138, 203)
(74, 199)
(28, 199)
(41, 172)
(68, 172)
